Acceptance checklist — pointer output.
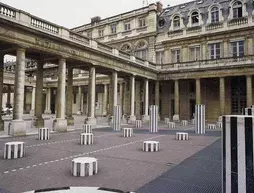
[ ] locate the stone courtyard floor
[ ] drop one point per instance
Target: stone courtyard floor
(179, 167)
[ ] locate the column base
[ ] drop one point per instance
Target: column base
(17, 128)
(70, 121)
(1, 125)
(39, 122)
(47, 112)
(176, 118)
(145, 118)
(132, 119)
(60, 125)
(91, 121)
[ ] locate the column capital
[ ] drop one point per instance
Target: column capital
(21, 49)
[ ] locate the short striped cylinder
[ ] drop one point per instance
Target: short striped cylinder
(249, 111)
(237, 154)
(182, 136)
(153, 122)
(200, 119)
(117, 118)
(138, 123)
(171, 125)
(184, 122)
(127, 132)
(84, 166)
(167, 120)
(43, 133)
(87, 128)
(193, 121)
(219, 124)
(86, 138)
(211, 126)
(13, 150)
(151, 146)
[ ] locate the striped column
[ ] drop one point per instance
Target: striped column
(200, 119)
(151, 146)
(86, 138)
(219, 124)
(87, 128)
(193, 121)
(171, 125)
(138, 123)
(182, 136)
(166, 120)
(127, 132)
(249, 111)
(13, 150)
(153, 122)
(211, 126)
(117, 118)
(184, 122)
(237, 154)
(43, 133)
(84, 166)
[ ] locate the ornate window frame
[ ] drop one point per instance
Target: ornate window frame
(172, 28)
(200, 19)
(209, 19)
(244, 11)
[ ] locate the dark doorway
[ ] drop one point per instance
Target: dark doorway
(238, 94)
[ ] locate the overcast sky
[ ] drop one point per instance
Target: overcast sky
(72, 13)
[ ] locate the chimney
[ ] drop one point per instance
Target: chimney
(95, 19)
(159, 6)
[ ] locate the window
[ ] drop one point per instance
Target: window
(141, 50)
(175, 55)
(160, 57)
(113, 28)
(126, 48)
(215, 15)
(195, 18)
(161, 22)
(214, 50)
(237, 48)
(176, 22)
(101, 32)
(237, 9)
(127, 26)
(142, 22)
(195, 53)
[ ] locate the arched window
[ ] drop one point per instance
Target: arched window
(215, 15)
(141, 50)
(176, 22)
(126, 48)
(237, 9)
(195, 18)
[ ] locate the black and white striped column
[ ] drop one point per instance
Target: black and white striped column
(171, 125)
(249, 111)
(200, 119)
(87, 128)
(43, 133)
(13, 150)
(238, 154)
(181, 136)
(127, 132)
(167, 120)
(138, 123)
(153, 123)
(212, 126)
(84, 166)
(86, 138)
(184, 122)
(151, 146)
(117, 118)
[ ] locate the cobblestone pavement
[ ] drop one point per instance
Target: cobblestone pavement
(122, 163)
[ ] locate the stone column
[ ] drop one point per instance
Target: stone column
(32, 111)
(91, 97)
(8, 103)
(157, 94)
(48, 101)
(198, 92)
(18, 126)
(110, 101)
(126, 100)
(225, 49)
(114, 88)
(176, 99)
(1, 89)
(39, 122)
(121, 95)
(105, 100)
(146, 89)
(79, 99)
(132, 90)
(249, 90)
(222, 95)
(70, 119)
(61, 122)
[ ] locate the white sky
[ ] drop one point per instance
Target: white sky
(73, 13)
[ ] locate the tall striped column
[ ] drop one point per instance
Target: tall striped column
(117, 118)
(237, 154)
(153, 122)
(248, 111)
(200, 119)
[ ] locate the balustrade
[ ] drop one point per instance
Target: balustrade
(5, 10)
(44, 25)
(79, 38)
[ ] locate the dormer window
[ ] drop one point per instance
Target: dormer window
(215, 15)
(176, 22)
(113, 28)
(237, 9)
(195, 18)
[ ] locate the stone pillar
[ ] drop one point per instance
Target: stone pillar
(157, 95)
(61, 122)
(176, 98)
(110, 93)
(121, 95)
(198, 92)
(1, 89)
(146, 89)
(48, 101)
(222, 95)
(8, 103)
(114, 88)
(91, 97)
(79, 99)
(126, 101)
(249, 90)
(18, 126)
(70, 119)
(33, 101)
(39, 122)
(225, 49)
(105, 100)
(132, 93)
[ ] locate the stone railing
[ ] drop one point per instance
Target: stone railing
(215, 63)
(25, 19)
(214, 26)
(238, 21)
